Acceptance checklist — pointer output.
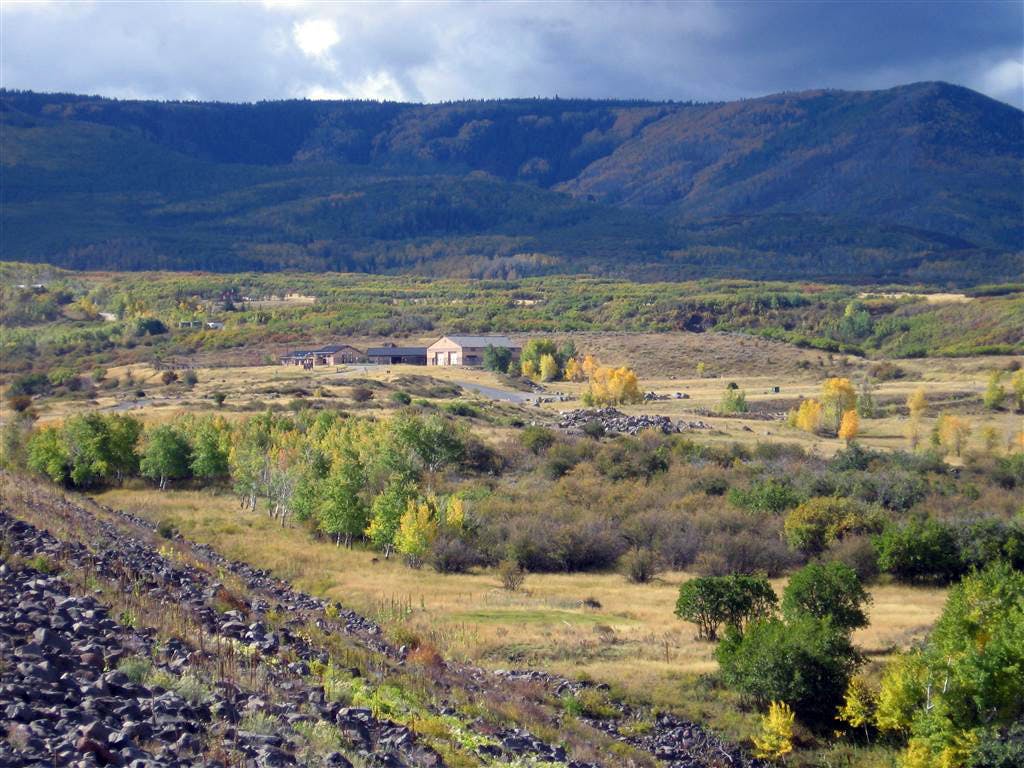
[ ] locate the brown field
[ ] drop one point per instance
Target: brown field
(665, 363)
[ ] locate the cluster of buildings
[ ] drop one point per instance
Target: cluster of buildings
(455, 350)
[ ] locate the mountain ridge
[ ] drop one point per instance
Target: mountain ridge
(916, 182)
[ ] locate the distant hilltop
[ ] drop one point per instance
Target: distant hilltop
(921, 183)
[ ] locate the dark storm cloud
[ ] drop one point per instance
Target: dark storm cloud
(437, 51)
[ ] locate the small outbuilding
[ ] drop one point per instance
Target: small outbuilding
(459, 349)
(337, 354)
(390, 354)
(331, 354)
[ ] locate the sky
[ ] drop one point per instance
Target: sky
(438, 51)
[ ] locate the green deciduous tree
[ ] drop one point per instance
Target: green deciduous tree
(386, 513)
(919, 550)
(827, 590)
(497, 358)
(211, 448)
(48, 455)
(344, 513)
(968, 678)
(711, 601)
(166, 455)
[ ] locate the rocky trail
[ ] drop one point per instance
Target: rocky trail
(149, 651)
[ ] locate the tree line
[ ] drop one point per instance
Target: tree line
(351, 479)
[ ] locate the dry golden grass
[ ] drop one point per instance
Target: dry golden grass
(632, 641)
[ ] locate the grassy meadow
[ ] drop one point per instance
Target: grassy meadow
(632, 641)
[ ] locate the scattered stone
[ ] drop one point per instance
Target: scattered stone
(616, 422)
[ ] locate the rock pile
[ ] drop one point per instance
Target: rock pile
(654, 396)
(615, 421)
(61, 706)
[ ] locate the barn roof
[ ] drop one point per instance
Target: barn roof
(328, 349)
(482, 341)
(396, 351)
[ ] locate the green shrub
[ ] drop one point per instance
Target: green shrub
(827, 590)
(462, 408)
(165, 529)
(919, 550)
(629, 458)
(772, 496)
(536, 439)
(560, 459)
(136, 668)
(733, 401)
(29, 384)
(640, 566)
(61, 376)
(401, 398)
(821, 522)
(805, 662)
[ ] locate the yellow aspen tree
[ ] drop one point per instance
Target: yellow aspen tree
(849, 426)
(776, 738)
(416, 532)
(808, 415)
(859, 705)
(529, 369)
(455, 513)
(990, 438)
(573, 370)
(548, 368)
(953, 433)
(590, 365)
(917, 402)
(837, 397)
(995, 393)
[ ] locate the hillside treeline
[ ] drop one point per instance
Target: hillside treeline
(770, 188)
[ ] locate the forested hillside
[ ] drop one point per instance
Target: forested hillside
(915, 184)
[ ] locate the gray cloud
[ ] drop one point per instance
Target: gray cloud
(440, 51)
